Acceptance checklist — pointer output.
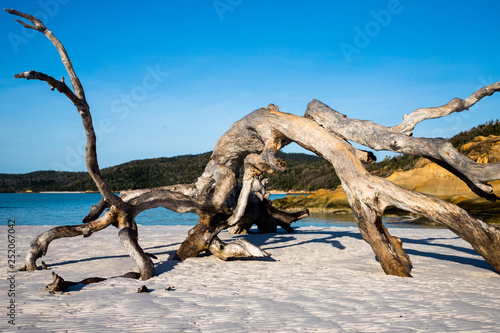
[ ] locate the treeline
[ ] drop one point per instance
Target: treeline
(148, 173)
(39, 181)
(131, 175)
(145, 173)
(305, 172)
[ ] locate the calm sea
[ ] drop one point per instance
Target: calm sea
(71, 208)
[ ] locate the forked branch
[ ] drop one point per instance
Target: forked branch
(39, 26)
(438, 150)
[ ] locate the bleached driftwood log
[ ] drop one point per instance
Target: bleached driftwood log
(220, 202)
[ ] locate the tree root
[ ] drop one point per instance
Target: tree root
(59, 284)
(40, 244)
(128, 238)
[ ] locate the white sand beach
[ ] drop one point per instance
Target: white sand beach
(317, 280)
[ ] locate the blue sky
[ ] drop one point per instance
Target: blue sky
(168, 78)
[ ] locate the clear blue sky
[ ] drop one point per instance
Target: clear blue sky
(168, 78)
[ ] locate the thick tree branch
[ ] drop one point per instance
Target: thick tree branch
(40, 244)
(366, 191)
(96, 211)
(128, 238)
(438, 150)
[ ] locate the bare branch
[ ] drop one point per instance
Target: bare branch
(53, 83)
(438, 150)
(367, 193)
(78, 99)
(95, 211)
(455, 105)
(39, 26)
(128, 238)
(40, 244)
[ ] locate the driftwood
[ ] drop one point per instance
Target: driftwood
(58, 284)
(252, 142)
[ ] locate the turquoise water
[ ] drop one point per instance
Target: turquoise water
(71, 208)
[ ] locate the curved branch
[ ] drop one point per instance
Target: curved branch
(96, 211)
(438, 150)
(40, 244)
(53, 83)
(364, 190)
(78, 99)
(128, 238)
(39, 26)
(455, 105)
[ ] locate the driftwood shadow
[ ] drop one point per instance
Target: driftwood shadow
(478, 262)
(280, 239)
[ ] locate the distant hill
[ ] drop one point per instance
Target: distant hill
(38, 181)
(142, 174)
(305, 172)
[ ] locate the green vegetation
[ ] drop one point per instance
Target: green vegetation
(160, 172)
(38, 181)
(490, 128)
(148, 173)
(305, 172)
(132, 175)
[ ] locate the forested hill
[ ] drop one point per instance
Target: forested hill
(140, 174)
(305, 172)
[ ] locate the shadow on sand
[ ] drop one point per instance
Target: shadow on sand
(461, 255)
(281, 239)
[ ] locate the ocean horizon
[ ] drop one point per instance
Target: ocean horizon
(69, 208)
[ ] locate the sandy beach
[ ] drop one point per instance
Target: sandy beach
(317, 280)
